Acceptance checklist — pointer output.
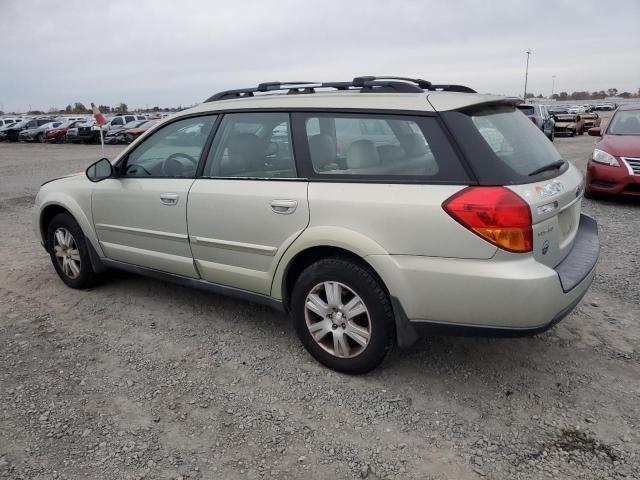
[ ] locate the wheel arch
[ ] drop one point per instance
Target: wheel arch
(65, 204)
(315, 244)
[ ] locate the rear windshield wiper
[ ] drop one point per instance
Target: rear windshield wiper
(549, 166)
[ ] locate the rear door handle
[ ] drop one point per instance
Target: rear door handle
(169, 198)
(284, 207)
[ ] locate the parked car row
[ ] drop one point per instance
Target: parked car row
(122, 128)
(552, 122)
(586, 108)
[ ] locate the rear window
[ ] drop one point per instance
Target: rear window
(380, 147)
(526, 109)
(503, 146)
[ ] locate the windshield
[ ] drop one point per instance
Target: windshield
(625, 122)
(526, 109)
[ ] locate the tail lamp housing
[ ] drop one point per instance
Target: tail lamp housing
(496, 214)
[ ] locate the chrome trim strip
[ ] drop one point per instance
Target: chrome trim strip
(630, 166)
(141, 231)
(229, 245)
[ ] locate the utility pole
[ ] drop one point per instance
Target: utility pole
(553, 84)
(526, 74)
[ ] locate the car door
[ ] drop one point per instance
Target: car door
(248, 205)
(140, 217)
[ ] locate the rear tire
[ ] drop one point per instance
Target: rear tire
(40, 138)
(69, 253)
(348, 310)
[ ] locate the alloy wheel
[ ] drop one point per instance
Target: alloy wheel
(66, 252)
(338, 319)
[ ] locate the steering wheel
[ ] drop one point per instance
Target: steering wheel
(179, 165)
(136, 166)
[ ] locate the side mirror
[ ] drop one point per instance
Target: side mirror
(100, 170)
(595, 132)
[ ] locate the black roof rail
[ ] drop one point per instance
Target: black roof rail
(363, 84)
(452, 88)
(423, 84)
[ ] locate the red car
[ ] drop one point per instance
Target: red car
(132, 133)
(614, 167)
(57, 135)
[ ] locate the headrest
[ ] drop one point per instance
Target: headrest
(245, 151)
(413, 144)
(362, 154)
(322, 149)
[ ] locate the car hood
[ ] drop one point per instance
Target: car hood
(620, 145)
(136, 131)
(69, 175)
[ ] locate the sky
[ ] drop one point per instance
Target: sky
(170, 53)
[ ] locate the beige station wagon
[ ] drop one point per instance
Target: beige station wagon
(374, 211)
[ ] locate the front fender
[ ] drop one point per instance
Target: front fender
(324, 236)
(79, 208)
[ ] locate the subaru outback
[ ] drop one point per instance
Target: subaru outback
(374, 212)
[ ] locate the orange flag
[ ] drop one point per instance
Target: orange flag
(100, 118)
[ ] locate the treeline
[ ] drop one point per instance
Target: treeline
(122, 107)
(80, 108)
(599, 95)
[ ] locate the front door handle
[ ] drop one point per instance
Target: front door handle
(169, 198)
(284, 207)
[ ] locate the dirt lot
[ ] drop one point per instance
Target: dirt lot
(143, 379)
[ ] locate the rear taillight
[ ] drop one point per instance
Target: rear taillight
(533, 119)
(494, 213)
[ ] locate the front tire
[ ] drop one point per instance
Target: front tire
(69, 253)
(342, 315)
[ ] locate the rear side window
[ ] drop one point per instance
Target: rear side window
(502, 146)
(379, 147)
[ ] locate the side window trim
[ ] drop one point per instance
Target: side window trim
(121, 164)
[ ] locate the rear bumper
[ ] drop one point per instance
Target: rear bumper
(486, 297)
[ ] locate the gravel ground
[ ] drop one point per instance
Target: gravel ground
(143, 379)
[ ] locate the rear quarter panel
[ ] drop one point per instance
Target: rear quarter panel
(404, 219)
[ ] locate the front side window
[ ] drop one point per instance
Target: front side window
(252, 145)
(381, 146)
(172, 151)
(116, 121)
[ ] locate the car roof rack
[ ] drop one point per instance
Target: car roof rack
(363, 84)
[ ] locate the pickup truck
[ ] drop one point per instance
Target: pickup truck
(90, 132)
